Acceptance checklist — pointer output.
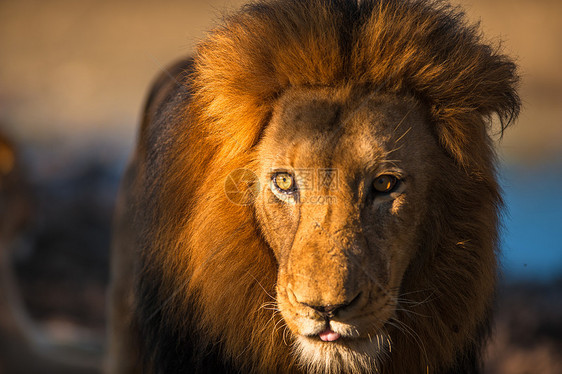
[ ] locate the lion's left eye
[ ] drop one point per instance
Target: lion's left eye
(385, 183)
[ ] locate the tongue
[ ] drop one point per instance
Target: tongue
(329, 336)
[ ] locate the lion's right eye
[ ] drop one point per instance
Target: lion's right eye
(284, 182)
(284, 187)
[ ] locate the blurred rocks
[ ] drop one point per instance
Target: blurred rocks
(63, 262)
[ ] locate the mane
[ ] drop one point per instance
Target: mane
(421, 47)
(205, 292)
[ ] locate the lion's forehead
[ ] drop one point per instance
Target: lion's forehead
(354, 130)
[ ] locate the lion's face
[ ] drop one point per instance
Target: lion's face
(345, 175)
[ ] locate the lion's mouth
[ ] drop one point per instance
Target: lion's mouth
(329, 336)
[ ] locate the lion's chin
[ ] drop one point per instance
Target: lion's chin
(341, 356)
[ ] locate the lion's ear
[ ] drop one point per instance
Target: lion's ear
(436, 55)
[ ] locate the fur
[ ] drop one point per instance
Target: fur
(193, 271)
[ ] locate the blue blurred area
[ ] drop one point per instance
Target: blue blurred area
(532, 235)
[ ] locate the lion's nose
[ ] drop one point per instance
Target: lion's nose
(329, 311)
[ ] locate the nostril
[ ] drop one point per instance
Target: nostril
(328, 311)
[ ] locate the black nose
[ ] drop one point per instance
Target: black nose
(327, 311)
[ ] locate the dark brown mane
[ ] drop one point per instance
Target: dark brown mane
(204, 269)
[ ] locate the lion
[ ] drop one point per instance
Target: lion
(357, 137)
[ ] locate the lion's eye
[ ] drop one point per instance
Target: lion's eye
(284, 182)
(385, 183)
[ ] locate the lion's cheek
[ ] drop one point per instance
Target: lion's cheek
(277, 224)
(399, 258)
(401, 239)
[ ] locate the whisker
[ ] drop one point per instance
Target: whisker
(403, 327)
(412, 312)
(264, 290)
(403, 135)
(285, 332)
(402, 120)
(417, 291)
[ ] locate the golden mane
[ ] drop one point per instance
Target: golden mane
(204, 271)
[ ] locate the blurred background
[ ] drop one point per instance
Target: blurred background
(73, 78)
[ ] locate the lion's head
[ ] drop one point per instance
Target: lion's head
(369, 239)
(348, 175)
